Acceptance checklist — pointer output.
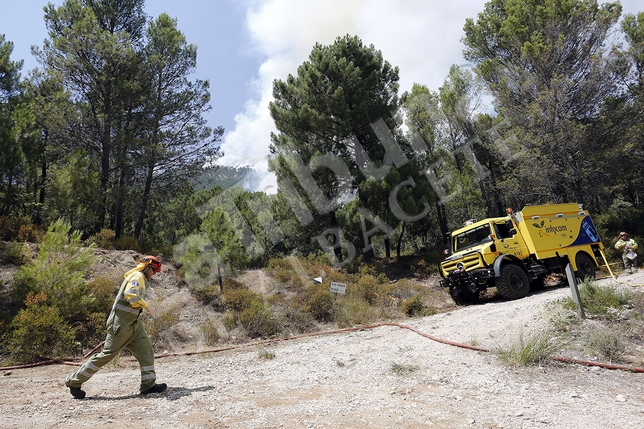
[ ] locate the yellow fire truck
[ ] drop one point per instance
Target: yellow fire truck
(516, 252)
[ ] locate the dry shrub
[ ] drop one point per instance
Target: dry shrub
(209, 332)
(607, 344)
(127, 243)
(532, 349)
(354, 311)
(228, 283)
(238, 300)
(282, 271)
(104, 238)
(165, 316)
(318, 301)
(367, 289)
(206, 295)
(229, 320)
(30, 233)
(10, 227)
(414, 307)
(259, 321)
(92, 330)
(298, 318)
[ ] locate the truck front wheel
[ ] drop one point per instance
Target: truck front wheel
(462, 296)
(585, 266)
(513, 282)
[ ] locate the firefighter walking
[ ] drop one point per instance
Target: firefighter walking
(125, 330)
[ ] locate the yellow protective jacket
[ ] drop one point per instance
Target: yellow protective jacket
(130, 300)
(622, 244)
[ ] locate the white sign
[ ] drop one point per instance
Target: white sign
(338, 287)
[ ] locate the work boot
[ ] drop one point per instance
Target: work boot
(77, 392)
(157, 388)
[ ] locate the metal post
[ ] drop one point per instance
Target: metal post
(572, 281)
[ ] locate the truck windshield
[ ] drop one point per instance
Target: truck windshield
(472, 237)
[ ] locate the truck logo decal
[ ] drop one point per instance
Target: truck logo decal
(552, 229)
(539, 226)
(555, 229)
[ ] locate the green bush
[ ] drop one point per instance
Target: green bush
(103, 239)
(229, 320)
(17, 254)
(318, 301)
(209, 332)
(207, 294)
(158, 249)
(59, 270)
(353, 311)
(239, 299)
(367, 289)
(127, 243)
(104, 291)
(414, 306)
(39, 331)
(259, 321)
(298, 318)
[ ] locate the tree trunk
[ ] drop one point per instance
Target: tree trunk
(118, 209)
(336, 249)
(144, 199)
(41, 194)
(442, 220)
(106, 152)
(400, 238)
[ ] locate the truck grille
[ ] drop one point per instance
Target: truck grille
(470, 261)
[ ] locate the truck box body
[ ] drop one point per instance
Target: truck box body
(548, 229)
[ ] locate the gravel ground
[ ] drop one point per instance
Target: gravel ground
(384, 377)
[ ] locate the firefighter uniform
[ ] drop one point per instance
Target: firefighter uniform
(628, 247)
(124, 330)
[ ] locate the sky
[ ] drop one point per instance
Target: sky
(244, 45)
